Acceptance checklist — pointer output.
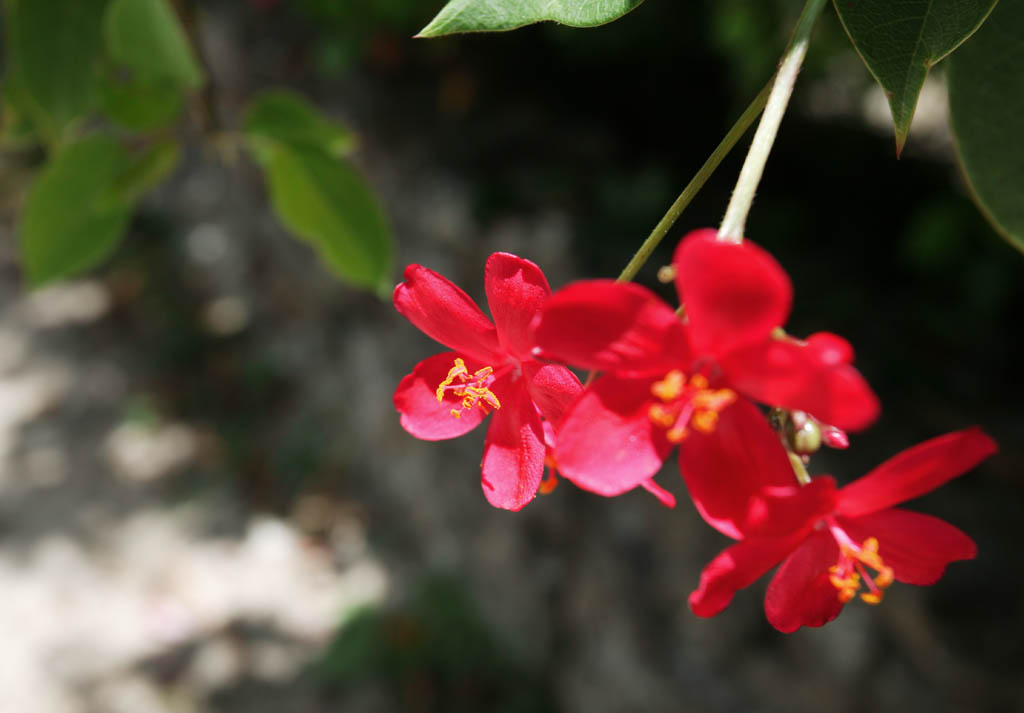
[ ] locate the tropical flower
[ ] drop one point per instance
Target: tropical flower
(666, 376)
(833, 544)
(490, 369)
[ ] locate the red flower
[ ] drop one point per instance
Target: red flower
(832, 544)
(489, 369)
(665, 378)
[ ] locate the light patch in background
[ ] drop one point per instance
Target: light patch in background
(141, 452)
(77, 620)
(66, 303)
(225, 316)
(207, 243)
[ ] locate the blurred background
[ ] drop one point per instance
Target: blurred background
(207, 503)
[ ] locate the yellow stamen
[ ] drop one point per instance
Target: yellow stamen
(861, 558)
(687, 403)
(473, 388)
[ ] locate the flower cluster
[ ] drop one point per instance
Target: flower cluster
(687, 377)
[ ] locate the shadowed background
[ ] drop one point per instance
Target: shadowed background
(207, 503)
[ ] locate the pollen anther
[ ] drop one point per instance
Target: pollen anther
(473, 388)
(687, 403)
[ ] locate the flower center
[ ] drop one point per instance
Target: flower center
(687, 403)
(473, 388)
(852, 570)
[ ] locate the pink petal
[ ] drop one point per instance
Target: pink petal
(664, 497)
(513, 464)
(516, 290)
(804, 376)
(416, 401)
(443, 312)
(737, 567)
(606, 443)
(733, 294)
(916, 471)
(611, 326)
(917, 546)
(724, 469)
(553, 388)
(800, 593)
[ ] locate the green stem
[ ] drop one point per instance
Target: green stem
(735, 219)
(695, 184)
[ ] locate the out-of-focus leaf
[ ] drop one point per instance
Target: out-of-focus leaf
(71, 221)
(900, 40)
(142, 107)
(325, 201)
(16, 125)
(145, 36)
(986, 102)
(285, 116)
(491, 15)
(55, 44)
(141, 173)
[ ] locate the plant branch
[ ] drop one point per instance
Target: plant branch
(735, 219)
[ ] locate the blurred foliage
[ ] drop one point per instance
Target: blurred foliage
(435, 655)
(87, 78)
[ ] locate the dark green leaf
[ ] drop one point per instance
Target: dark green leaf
(324, 201)
(70, 221)
(55, 44)
(900, 40)
(141, 173)
(142, 107)
(16, 125)
(285, 116)
(490, 15)
(145, 36)
(986, 102)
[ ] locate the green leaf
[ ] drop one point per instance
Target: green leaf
(70, 221)
(986, 104)
(16, 125)
(900, 40)
(325, 201)
(145, 36)
(142, 107)
(285, 116)
(141, 173)
(55, 44)
(491, 15)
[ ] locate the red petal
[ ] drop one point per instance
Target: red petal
(611, 326)
(804, 376)
(727, 467)
(779, 510)
(443, 312)
(917, 546)
(800, 593)
(516, 290)
(916, 471)
(553, 388)
(416, 400)
(606, 442)
(513, 464)
(664, 497)
(737, 567)
(734, 294)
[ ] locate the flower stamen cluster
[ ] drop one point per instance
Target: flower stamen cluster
(851, 571)
(472, 387)
(687, 403)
